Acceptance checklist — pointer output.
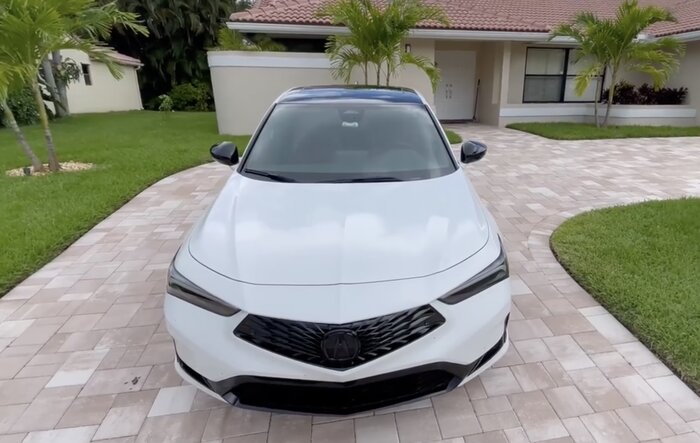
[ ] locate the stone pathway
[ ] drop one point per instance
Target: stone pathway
(84, 354)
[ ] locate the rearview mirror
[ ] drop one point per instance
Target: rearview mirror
(225, 153)
(472, 151)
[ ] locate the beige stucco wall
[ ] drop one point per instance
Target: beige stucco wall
(659, 115)
(106, 94)
(246, 83)
(242, 95)
(500, 70)
(688, 76)
(518, 55)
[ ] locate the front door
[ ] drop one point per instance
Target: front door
(455, 94)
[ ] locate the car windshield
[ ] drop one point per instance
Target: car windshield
(348, 142)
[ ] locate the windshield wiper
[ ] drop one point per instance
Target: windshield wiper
(363, 180)
(270, 175)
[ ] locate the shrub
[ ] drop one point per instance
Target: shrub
(21, 103)
(628, 94)
(166, 103)
(191, 97)
(671, 96)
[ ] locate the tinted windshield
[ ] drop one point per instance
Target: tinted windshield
(340, 142)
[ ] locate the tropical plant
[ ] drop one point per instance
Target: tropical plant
(619, 45)
(645, 94)
(401, 17)
(12, 76)
(175, 50)
(21, 103)
(232, 40)
(34, 29)
(191, 97)
(376, 36)
(165, 103)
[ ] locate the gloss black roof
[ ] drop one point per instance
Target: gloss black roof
(350, 93)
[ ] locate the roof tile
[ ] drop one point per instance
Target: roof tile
(486, 15)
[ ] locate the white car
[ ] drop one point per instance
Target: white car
(346, 265)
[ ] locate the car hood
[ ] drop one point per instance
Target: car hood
(273, 233)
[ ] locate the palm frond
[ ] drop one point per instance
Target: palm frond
(614, 43)
(584, 77)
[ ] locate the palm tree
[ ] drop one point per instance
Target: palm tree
(10, 77)
(34, 29)
(401, 17)
(359, 48)
(617, 45)
(376, 37)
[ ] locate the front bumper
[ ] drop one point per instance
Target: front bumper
(211, 357)
(319, 397)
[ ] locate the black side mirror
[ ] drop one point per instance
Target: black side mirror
(472, 151)
(225, 153)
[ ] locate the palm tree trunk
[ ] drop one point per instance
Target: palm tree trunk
(379, 73)
(611, 94)
(596, 100)
(51, 85)
(19, 135)
(365, 69)
(56, 60)
(54, 165)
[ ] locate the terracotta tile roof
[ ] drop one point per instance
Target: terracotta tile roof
(486, 15)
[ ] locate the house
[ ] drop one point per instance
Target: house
(96, 90)
(496, 61)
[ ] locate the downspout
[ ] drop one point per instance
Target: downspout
(475, 118)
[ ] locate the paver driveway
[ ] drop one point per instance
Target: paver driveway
(85, 355)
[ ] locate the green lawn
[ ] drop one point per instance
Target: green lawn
(642, 262)
(41, 216)
(581, 131)
(453, 137)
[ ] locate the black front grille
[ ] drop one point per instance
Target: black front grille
(342, 398)
(303, 341)
(323, 397)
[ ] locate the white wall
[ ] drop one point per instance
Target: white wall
(246, 83)
(242, 94)
(653, 115)
(106, 94)
(689, 76)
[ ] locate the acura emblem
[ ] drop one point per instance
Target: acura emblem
(340, 345)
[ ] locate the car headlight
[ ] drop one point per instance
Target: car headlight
(494, 273)
(180, 287)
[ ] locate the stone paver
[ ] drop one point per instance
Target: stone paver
(84, 354)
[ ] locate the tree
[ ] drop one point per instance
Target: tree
(359, 48)
(10, 77)
(232, 40)
(401, 17)
(618, 45)
(376, 37)
(181, 31)
(34, 29)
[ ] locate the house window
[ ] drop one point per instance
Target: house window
(86, 74)
(550, 77)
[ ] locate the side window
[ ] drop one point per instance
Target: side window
(550, 75)
(86, 74)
